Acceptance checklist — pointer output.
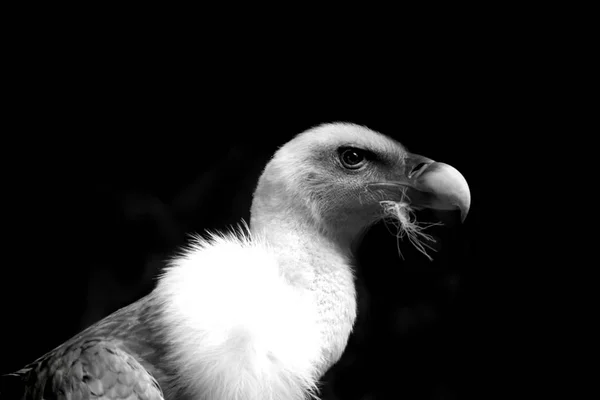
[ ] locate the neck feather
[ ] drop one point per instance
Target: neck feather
(311, 259)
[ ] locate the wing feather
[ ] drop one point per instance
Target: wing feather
(89, 368)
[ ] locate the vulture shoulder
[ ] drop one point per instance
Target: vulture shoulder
(86, 369)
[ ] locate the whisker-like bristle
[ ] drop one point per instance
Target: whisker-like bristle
(402, 217)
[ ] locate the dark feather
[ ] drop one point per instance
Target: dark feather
(115, 358)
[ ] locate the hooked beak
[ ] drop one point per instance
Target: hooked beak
(435, 185)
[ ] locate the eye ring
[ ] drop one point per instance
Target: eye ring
(352, 158)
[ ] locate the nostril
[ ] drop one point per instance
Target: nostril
(417, 168)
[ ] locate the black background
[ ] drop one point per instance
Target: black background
(118, 152)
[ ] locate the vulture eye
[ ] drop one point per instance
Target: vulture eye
(352, 158)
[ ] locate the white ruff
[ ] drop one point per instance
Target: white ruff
(237, 329)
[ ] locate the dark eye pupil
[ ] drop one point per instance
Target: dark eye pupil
(352, 157)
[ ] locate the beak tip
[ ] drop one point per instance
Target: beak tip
(463, 214)
(449, 186)
(465, 203)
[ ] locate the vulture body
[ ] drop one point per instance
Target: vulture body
(259, 312)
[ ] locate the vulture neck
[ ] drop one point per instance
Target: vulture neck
(310, 259)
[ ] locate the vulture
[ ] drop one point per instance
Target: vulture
(263, 310)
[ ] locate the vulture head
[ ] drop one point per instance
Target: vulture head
(339, 179)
